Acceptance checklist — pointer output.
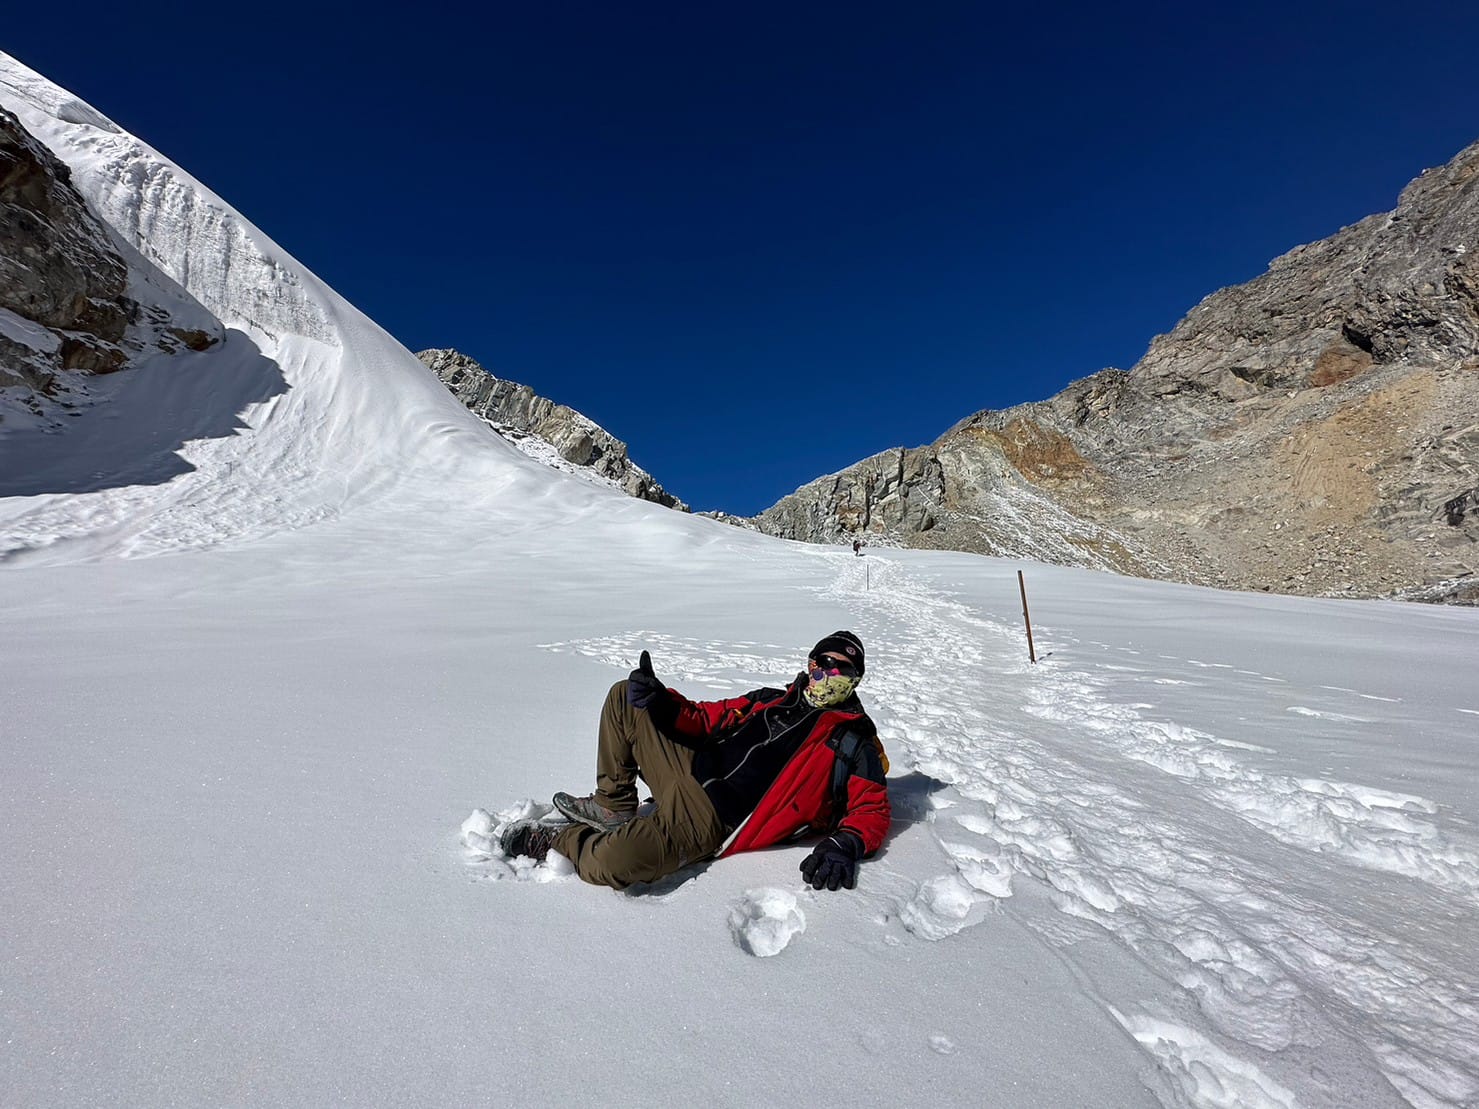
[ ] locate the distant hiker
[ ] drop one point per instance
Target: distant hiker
(727, 776)
(857, 546)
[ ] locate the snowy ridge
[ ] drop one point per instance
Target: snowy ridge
(310, 410)
(235, 271)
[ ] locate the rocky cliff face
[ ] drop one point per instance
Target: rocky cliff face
(1315, 430)
(61, 281)
(518, 414)
(70, 304)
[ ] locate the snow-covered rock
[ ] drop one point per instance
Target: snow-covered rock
(551, 433)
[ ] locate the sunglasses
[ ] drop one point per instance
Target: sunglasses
(828, 666)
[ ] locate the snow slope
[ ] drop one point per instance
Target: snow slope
(1214, 849)
(339, 413)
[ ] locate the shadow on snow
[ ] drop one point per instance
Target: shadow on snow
(139, 419)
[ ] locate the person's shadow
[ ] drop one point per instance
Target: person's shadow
(908, 798)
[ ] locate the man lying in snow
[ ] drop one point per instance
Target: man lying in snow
(727, 776)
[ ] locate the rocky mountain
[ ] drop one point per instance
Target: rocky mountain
(75, 301)
(1315, 430)
(543, 429)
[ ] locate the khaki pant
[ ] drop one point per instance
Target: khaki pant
(683, 830)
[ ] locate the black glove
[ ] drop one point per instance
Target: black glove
(834, 862)
(643, 688)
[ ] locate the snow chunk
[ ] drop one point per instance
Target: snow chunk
(38, 91)
(764, 921)
(480, 834)
(941, 907)
(1206, 1073)
(85, 115)
(480, 823)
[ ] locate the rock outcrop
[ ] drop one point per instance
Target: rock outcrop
(62, 282)
(517, 413)
(69, 308)
(1315, 430)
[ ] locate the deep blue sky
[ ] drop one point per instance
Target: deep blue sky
(760, 242)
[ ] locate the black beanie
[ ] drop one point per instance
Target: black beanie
(841, 643)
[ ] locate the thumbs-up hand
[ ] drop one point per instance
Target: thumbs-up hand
(642, 685)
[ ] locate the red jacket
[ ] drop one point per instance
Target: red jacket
(800, 798)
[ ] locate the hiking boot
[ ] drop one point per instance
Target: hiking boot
(586, 810)
(528, 837)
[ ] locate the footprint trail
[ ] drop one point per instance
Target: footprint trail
(1173, 841)
(1249, 890)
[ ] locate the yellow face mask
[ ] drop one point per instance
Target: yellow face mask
(829, 691)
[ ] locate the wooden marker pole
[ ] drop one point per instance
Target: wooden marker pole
(1022, 584)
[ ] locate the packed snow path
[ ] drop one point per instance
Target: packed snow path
(1175, 840)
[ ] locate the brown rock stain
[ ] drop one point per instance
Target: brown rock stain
(1334, 463)
(1338, 363)
(1039, 454)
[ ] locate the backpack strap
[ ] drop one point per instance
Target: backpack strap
(849, 746)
